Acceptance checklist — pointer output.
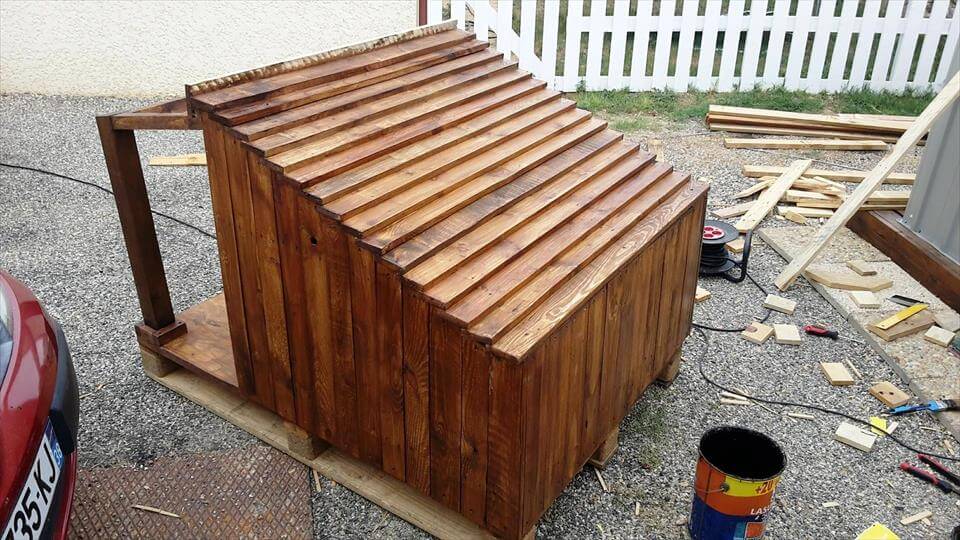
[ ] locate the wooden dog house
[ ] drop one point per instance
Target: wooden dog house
(430, 261)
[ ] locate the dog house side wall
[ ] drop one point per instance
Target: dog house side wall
(581, 381)
(331, 339)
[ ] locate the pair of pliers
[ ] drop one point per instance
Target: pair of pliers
(950, 481)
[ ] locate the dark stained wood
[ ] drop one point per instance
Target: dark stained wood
(205, 348)
(446, 410)
(292, 261)
(317, 306)
(364, 307)
(271, 287)
(136, 221)
(503, 450)
(245, 230)
(390, 366)
(416, 389)
(923, 261)
(473, 459)
(443, 268)
(223, 219)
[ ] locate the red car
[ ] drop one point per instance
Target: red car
(39, 417)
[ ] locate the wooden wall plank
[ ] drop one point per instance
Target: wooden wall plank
(295, 306)
(533, 443)
(669, 302)
(245, 230)
(473, 460)
(503, 435)
(446, 410)
(337, 261)
(223, 219)
(593, 427)
(416, 389)
(390, 366)
(363, 298)
(321, 349)
(271, 287)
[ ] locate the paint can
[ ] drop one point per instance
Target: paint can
(737, 473)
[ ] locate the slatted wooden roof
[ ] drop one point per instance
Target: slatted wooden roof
(493, 195)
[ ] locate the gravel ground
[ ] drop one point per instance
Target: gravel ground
(64, 241)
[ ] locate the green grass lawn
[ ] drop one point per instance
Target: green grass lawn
(633, 110)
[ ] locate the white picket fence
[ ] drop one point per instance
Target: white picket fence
(717, 44)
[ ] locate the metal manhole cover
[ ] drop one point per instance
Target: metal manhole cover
(253, 492)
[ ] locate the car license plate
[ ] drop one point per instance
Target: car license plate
(30, 512)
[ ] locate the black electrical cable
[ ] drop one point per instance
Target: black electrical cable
(105, 190)
(706, 347)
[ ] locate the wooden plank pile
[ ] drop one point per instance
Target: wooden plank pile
(885, 128)
(807, 196)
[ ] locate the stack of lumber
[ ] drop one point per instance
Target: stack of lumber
(809, 195)
(872, 127)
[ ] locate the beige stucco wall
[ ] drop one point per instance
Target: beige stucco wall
(152, 48)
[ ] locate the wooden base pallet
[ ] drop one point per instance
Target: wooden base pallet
(370, 483)
(198, 365)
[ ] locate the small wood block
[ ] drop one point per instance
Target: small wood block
(862, 267)
(795, 217)
(155, 364)
(852, 435)
(850, 282)
(701, 295)
(865, 299)
(181, 160)
(757, 333)
(836, 373)
(156, 338)
(805, 212)
(608, 447)
(786, 334)
(779, 303)
(915, 324)
(302, 443)
(735, 246)
(670, 371)
(919, 516)
(888, 394)
(939, 336)
(733, 211)
(948, 320)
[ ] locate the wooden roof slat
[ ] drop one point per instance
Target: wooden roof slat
(428, 124)
(341, 173)
(265, 117)
(480, 238)
(508, 313)
(528, 148)
(516, 343)
(409, 226)
(476, 213)
(263, 88)
(447, 91)
(389, 185)
(544, 250)
(457, 283)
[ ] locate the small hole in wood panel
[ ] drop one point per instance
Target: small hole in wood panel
(313, 240)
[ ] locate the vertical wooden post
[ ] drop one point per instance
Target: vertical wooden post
(139, 234)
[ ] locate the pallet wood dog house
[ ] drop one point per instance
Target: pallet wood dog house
(433, 263)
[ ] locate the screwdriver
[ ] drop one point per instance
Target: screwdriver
(821, 331)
